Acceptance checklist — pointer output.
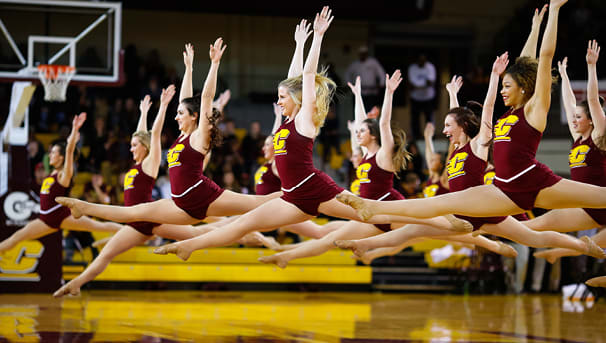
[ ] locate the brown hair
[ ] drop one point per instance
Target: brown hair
(192, 105)
(400, 156)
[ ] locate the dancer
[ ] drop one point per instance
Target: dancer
(304, 99)
(437, 182)
(466, 169)
(521, 182)
(194, 196)
(587, 159)
(54, 216)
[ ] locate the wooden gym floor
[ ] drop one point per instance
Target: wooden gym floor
(176, 316)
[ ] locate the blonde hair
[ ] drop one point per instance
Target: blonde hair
(144, 138)
(325, 89)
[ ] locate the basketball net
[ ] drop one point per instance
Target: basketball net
(55, 79)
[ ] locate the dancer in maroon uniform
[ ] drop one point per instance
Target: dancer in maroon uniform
(466, 169)
(521, 182)
(437, 182)
(304, 99)
(54, 216)
(194, 196)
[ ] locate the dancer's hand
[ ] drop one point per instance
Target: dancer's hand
(356, 88)
(537, 18)
(323, 20)
(351, 126)
(302, 31)
(430, 130)
(167, 95)
(392, 83)
(188, 55)
(455, 84)
(222, 100)
(145, 104)
(593, 52)
(78, 121)
(562, 65)
(216, 50)
(500, 63)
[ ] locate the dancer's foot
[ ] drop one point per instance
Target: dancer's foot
(506, 250)
(101, 242)
(173, 248)
(546, 254)
(592, 249)
(357, 248)
(67, 289)
(73, 204)
(458, 224)
(476, 233)
(362, 207)
(276, 259)
(599, 281)
(365, 258)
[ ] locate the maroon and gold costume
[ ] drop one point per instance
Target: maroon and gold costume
(266, 182)
(434, 189)
(303, 185)
(489, 179)
(588, 165)
(467, 170)
(137, 190)
(52, 213)
(190, 189)
(518, 174)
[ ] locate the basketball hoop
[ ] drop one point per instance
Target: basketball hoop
(55, 79)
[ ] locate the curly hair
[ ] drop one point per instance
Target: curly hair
(325, 89)
(192, 105)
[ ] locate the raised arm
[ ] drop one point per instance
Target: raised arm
(151, 163)
(593, 96)
(498, 67)
(453, 88)
(568, 98)
(359, 113)
(187, 90)
(65, 176)
(144, 106)
(537, 108)
(530, 48)
(202, 135)
(429, 147)
(384, 155)
(305, 117)
(277, 118)
(302, 32)
(222, 100)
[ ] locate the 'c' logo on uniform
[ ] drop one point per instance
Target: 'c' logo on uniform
(577, 156)
(172, 157)
(362, 172)
(503, 127)
(456, 165)
(129, 179)
(280, 141)
(47, 184)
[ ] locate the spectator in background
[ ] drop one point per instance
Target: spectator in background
(372, 77)
(252, 145)
(411, 185)
(422, 78)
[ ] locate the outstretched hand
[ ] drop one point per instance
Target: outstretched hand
(323, 20)
(562, 65)
(78, 121)
(392, 83)
(430, 130)
(302, 31)
(556, 4)
(222, 100)
(593, 52)
(167, 94)
(351, 126)
(216, 50)
(455, 84)
(500, 63)
(188, 55)
(145, 104)
(537, 18)
(356, 88)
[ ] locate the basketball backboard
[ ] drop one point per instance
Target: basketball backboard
(82, 34)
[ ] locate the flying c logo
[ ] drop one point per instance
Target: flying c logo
(18, 206)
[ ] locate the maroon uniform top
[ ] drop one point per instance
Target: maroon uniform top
(434, 188)
(515, 145)
(50, 189)
(137, 186)
(185, 166)
(293, 155)
(375, 183)
(465, 169)
(266, 181)
(587, 163)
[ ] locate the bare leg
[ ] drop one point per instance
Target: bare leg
(231, 203)
(32, 230)
(85, 223)
(312, 230)
(599, 281)
(119, 243)
(370, 255)
(552, 255)
(351, 230)
(161, 211)
(183, 232)
(562, 220)
(570, 194)
(263, 218)
(512, 229)
(493, 203)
